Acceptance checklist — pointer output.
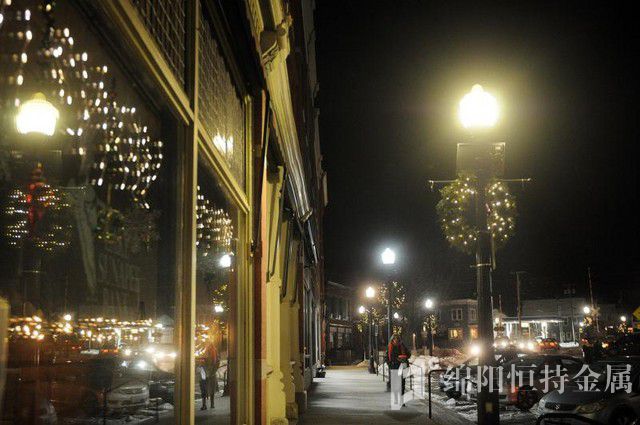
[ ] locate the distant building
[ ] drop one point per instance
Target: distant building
(343, 342)
(457, 322)
(557, 318)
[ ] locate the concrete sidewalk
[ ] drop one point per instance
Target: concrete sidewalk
(350, 395)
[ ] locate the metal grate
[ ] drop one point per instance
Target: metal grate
(220, 107)
(165, 20)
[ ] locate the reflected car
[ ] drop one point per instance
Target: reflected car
(535, 382)
(89, 386)
(600, 405)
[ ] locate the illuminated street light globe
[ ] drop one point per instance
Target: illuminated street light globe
(370, 292)
(428, 304)
(396, 315)
(225, 261)
(361, 309)
(478, 109)
(218, 308)
(388, 256)
(623, 318)
(586, 309)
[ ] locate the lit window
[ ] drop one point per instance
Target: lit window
(455, 333)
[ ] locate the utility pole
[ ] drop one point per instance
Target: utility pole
(593, 304)
(519, 302)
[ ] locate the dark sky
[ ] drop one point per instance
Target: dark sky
(391, 76)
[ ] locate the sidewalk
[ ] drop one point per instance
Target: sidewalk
(350, 395)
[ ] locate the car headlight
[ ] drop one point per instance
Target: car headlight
(592, 407)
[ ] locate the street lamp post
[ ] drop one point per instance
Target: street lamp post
(479, 110)
(370, 293)
(389, 259)
(429, 306)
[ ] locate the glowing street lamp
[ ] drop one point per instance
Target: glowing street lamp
(37, 115)
(218, 308)
(478, 109)
(623, 319)
(370, 292)
(586, 309)
(388, 256)
(67, 317)
(396, 315)
(428, 304)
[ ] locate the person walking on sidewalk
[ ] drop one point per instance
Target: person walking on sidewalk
(397, 357)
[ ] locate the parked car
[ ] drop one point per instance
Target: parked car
(599, 405)
(533, 386)
(89, 386)
(549, 344)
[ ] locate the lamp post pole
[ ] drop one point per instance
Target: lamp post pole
(372, 368)
(487, 400)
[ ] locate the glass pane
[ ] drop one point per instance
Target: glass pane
(216, 283)
(221, 111)
(87, 222)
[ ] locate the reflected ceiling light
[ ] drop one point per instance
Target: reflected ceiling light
(478, 109)
(225, 261)
(37, 115)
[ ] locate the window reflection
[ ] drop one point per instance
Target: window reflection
(215, 301)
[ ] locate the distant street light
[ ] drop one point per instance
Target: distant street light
(218, 308)
(370, 293)
(586, 309)
(389, 259)
(623, 318)
(225, 261)
(396, 315)
(428, 304)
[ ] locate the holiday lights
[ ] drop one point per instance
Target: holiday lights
(214, 228)
(456, 213)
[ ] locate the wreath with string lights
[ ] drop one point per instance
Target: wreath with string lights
(456, 213)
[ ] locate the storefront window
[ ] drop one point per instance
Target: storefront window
(216, 301)
(87, 222)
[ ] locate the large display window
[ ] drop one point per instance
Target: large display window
(216, 302)
(87, 228)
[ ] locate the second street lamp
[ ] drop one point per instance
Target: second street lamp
(428, 304)
(370, 293)
(389, 259)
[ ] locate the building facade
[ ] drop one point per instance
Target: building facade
(344, 342)
(161, 193)
(457, 322)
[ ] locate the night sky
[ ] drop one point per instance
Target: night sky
(391, 76)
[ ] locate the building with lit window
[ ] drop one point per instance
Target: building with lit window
(457, 322)
(161, 203)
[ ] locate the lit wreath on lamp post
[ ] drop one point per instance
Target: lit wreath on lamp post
(455, 211)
